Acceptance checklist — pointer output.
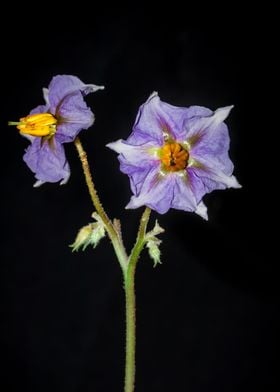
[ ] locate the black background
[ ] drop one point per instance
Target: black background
(208, 317)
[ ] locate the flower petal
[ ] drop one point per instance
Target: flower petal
(208, 176)
(156, 192)
(135, 161)
(214, 146)
(136, 174)
(201, 210)
(214, 172)
(197, 126)
(73, 116)
(46, 95)
(180, 115)
(135, 154)
(62, 85)
(40, 109)
(47, 161)
(147, 126)
(153, 121)
(183, 198)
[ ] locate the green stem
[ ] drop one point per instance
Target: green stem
(129, 278)
(128, 265)
(113, 233)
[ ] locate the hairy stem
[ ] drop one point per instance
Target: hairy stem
(111, 230)
(128, 265)
(130, 303)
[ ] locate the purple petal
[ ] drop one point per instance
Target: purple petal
(200, 184)
(178, 116)
(136, 174)
(139, 155)
(62, 85)
(40, 109)
(135, 161)
(156, 192)
(161, 193)
(183, 198)
(47, 162)
(156, 118)
(208, 176)
(198, 126)
(214, 146)
(150, 124)
(73, 116)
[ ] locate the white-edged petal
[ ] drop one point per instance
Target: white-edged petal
(46, 95)
(210, 169)
(220, 115)
(91, 88)
(206, 126)
(134, 154)
(38, 183)
(65, 180)
(201, 210)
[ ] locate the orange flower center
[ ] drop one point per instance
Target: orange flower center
(174, 157)
(41, 124)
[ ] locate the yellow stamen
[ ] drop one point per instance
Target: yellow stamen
(173, 157)
(41, 124)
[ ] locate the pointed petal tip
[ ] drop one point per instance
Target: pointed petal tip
(131, 205)
(128, 206)
(152, 96)
(234, 183)
(222, 113)
(113, 145)
(238, 185)
(64, 181)
(226, 108)
(97, 87)
(201, 210)
(92, 88)
(38, 183)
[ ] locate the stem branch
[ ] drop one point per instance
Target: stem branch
(113, 234)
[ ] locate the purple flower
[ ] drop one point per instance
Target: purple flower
(175, 156)
(59, 121)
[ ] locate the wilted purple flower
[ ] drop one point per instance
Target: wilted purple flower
(175, 156)
(59, 121)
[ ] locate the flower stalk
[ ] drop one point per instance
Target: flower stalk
(113, 233)
(128, 265)
(130, 299)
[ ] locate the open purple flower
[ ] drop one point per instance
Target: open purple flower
(175, 156)
(59, 121)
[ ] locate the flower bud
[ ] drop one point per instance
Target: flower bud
(154, 251)
(90, 234)
(152, 243)
(82, 238)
